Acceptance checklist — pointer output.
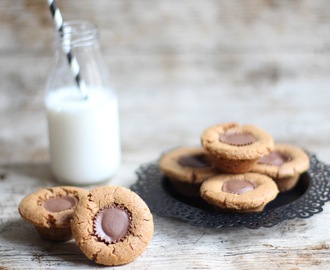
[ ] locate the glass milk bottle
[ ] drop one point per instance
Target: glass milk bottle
(83, 129)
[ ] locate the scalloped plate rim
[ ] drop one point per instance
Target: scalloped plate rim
(314, 162)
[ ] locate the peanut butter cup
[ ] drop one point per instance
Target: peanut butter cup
(284, 164)
(274, 158)
(237, 139)
(237, 186)
(236, 148)
(59, 203)
(187, 168)
(50, 211)
(112, 225)
(248, 192)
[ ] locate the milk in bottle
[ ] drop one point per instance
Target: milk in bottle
(83, 131)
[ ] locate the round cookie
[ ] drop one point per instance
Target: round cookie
(112, 225)
(284, 164)
(235, 148)
(187, 168)
(248, 192)
(50, 211)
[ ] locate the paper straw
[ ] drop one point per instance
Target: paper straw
(58, 21)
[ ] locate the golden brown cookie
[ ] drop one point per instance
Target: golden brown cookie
(112, 225)
(187, 168)
(284, 164)
(50, 211)
(235, 148)
(248, 192)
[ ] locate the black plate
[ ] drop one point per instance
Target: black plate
(305, 200)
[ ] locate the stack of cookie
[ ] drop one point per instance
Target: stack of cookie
(112, 225)
(238, 168)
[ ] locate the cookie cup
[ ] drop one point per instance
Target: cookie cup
(265, 190)
(127, 249)
(287, 174)
(236, 158)
(186, 180)
(53, 226)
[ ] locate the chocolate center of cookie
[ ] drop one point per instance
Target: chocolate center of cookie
(112, 224)
(237, 139)
(275, 158)
(195, 161)
(60, 203)
(237, 186)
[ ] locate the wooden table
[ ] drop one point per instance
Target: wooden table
(178, 68)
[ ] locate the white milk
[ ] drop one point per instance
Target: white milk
(83, 135)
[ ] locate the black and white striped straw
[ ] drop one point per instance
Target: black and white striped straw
(58, 21)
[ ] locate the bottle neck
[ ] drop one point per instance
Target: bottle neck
(77, 35)
(78, 40)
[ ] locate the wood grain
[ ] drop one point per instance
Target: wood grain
(178, 67)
